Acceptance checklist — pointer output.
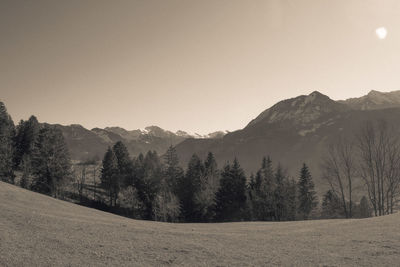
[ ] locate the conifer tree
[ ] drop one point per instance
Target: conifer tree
(189, 186)
(285, 196)
(109, 176)
(26, 167)
(25, 138)
(291, 193)
(125, 165)
(252, 182)
(148, 172)
(280, 195)
(331, 205)
(307, 199)
(51, 166)
(251, 197)
(264, 192)
(231, 196)
(173, 172)
(167, 206)
(209, 185)
(7, 133)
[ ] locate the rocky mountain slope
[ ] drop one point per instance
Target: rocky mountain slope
(293, 131)
(374, 100)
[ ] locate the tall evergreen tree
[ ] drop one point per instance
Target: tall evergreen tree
(51, 166)
(173, 172)
(109, 176)
(231, 196)
(7, 133)
(26, 168)
(307, 199)
(263, 193)
(27, 133)
(167, 206)
(280, 195)
(148, 174)
(189, 186)
(209, 185)
(251, 197)
(252, 182)
(291, 193)
(25, 139)
(125, 164)
(331, 205)
(284, 202)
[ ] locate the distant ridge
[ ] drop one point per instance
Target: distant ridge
(301, 109)
(374, 100)
(87, 144)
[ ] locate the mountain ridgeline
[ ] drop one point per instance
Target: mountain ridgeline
(296, 130)
(87, 144)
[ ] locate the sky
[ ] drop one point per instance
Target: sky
(198, 66)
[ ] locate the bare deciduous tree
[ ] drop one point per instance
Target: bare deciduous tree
(392, 174)
(95, 168)
(379, 149)
(375, 158)
(339, 169)
(80, 180)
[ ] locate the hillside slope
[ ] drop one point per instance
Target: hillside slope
(36, 230)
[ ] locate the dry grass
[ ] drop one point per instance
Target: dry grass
(36, 230)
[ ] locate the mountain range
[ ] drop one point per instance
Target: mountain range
(291, 132)
(296, 131)
(85, 144)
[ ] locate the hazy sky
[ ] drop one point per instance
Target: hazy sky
(198, 66)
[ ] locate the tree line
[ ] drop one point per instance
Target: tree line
(37, 151)
(157, 188)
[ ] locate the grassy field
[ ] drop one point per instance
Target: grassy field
(37, 230)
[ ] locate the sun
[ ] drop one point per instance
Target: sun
(381, 33)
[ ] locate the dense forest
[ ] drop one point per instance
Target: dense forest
(154, 187)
